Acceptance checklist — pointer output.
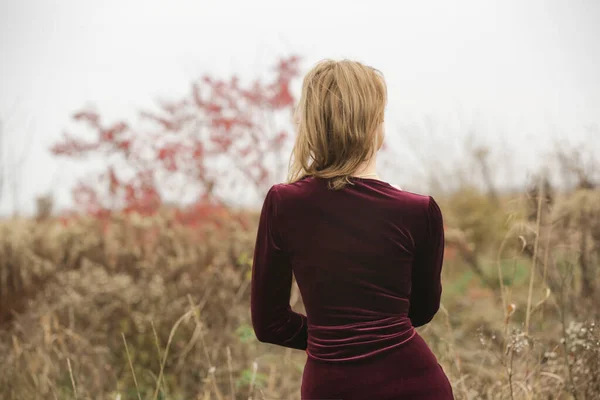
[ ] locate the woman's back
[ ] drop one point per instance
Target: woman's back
(367, 256)
(367, 259)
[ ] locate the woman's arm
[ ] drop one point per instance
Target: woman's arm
(272, 317)
(427, 268)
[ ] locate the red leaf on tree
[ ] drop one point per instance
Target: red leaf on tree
(213, 108)
(220, 122)
(224, 123)
(165, 123)
(245, 151)
(223, 143)
(280, 138)
(110, 134)
(282, 97)
(70, 146)
(168, 155)
(198, 151)
(124, 145)
(89, 116)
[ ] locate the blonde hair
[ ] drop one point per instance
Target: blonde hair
(340, 110)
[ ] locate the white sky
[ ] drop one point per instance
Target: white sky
(527, 71)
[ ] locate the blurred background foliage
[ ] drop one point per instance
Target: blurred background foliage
(132, 296)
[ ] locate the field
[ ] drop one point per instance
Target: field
(132, 307)
(138, 140)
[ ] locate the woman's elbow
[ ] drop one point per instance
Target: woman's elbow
(423, 316)
(263, 334)
(263, 328)
(421, 320)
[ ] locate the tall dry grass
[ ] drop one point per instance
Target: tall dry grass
(142, 308)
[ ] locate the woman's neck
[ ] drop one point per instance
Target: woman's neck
(368, 168)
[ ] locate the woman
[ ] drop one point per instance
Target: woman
(367, 256)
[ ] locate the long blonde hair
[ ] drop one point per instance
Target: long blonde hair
(338, 118)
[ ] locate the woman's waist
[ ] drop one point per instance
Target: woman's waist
(356, 340)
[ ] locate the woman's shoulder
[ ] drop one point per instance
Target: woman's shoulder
(407, 195)
(296, 186)
(413, 202)
(297, 189)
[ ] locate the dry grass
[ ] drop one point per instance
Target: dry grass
(144, 309)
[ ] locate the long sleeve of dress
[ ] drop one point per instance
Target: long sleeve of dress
(426, 288)
(272, 316)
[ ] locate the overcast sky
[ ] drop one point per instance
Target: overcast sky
(528, 71)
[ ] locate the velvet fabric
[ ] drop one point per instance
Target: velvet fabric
(367, 259)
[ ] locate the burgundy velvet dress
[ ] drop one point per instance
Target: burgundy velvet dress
(367, 259)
